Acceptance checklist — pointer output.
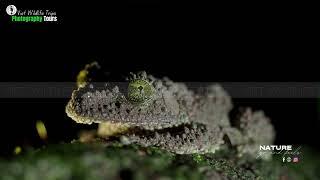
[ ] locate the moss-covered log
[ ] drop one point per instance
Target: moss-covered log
(115, 161)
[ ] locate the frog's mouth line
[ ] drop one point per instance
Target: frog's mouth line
(172, 131)
(187, 138)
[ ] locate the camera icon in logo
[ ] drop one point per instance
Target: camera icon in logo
(11, 10)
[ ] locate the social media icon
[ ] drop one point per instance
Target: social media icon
(283, 159)
(289, 159)
(295, 159)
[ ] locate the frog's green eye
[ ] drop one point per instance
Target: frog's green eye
(140, 91)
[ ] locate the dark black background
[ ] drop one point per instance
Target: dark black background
(186, 44)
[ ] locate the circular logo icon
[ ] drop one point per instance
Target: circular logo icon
(11, 10)
(288, 159)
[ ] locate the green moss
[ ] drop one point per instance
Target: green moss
(115, 161)
(199, 158)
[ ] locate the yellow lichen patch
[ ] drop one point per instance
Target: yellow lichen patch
(41, 129)
(107, 129)
(82, 77)
(17, 150)
(86, 136)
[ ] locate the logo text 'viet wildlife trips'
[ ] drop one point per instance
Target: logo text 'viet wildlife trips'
(18, 15)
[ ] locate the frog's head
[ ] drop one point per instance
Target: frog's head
(143, 101)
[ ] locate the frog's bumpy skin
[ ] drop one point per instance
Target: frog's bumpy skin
(256, 130)
(161, 111)
(195, 138)
(212, 107)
